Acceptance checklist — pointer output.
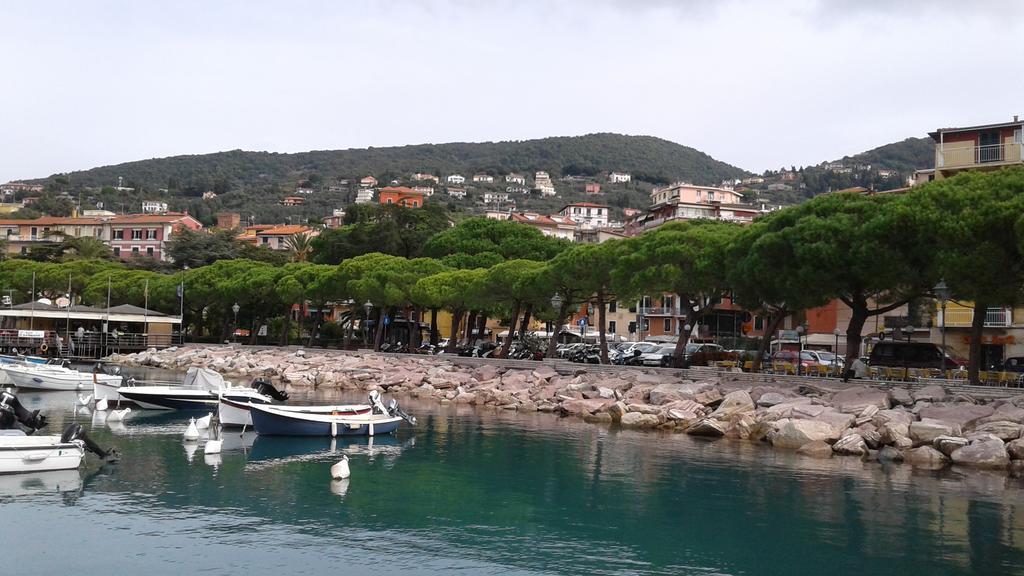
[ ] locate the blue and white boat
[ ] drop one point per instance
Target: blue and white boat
(314, 421)
(201, 390)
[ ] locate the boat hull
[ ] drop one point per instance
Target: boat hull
(20, 454)
(42, 378)
(234, 411)
(168, 398)
(270, 422)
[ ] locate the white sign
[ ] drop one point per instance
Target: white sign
(31, 334)
(262, 331)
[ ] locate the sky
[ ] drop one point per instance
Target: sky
(758, 84)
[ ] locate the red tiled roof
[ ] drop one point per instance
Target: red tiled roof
(400, 190)
(167, 218)
(285, 230)
(585, 205)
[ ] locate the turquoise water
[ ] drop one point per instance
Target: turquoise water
(482, 492)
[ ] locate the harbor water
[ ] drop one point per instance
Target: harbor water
(485, 492)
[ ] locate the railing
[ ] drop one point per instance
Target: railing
(952, 157)
(36, 238)
(658, 311)
(964, 317)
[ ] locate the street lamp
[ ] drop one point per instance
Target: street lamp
(800, 347)
(368, 307)
(835, 352)
(235, 308)
(556, 303)
(943, 292)
(909, 329)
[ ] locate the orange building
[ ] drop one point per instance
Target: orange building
(401, 196)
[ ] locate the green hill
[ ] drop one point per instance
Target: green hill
(254, 182)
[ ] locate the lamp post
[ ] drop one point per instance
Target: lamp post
(943, 292)
(368, 308)
(800, 348)
(835, 353)
(686, 330)
(235, 308)
(556, 304)
(909, 329)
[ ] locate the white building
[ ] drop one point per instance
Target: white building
(619, 177)
(365, 195)
(304, 191)
(542, 183)
(515, 179)
(457, 192)
(421, 176)
(425, 190)
(456, 179)
(152, 207)
(485, 178)
(517, 190)
(587, 214)
(495, 197)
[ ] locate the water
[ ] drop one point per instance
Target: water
(481, 492)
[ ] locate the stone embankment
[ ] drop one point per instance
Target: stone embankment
(925, 427)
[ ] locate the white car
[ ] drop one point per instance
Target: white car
(654, 356)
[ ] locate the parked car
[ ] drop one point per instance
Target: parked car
(656, 356)
(824, 357)
(703, 354)
(807, 360)
(1014, 364)
(912, 355)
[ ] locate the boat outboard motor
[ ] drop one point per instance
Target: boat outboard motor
(74, 431)
(376, 405)
(12, 412)
(394, 410)
(268, 389)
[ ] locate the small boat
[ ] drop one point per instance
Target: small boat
(201, 390)
(53, 377)
(314, 421)
(234, 412)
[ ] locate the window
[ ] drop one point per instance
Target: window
(135, 250)
(119, 234)
(35, 231)
(668, 302)
(613, 306)
(149, 251)
(117, 251)
(611, 326)
(389, 201)
(151, 234)
(136, 234)
(668, 325)
(758, 322)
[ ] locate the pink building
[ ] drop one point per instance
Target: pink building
(146, 234)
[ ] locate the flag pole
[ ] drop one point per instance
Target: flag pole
(67, 321)
(32, 316)
(146, 306)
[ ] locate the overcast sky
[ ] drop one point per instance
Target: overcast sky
(756, 84)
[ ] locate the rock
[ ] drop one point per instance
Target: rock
(855, 400)
(736, 402)
(928, 429)
(872, 438)
(866, 415)
(599, 418)
(606, 393)
(465, 398)
(676, 414)
(638, 420)
(707, 427)
(1003, 430)
(669, 392)
(1015, 448)
(901, 397)
(616, 410)
(925, 456)
(837, 420)
(485, 372)
(769, 399)
(932, 393)
(1005, 412)
(582, 407)
(903, 443)
(949, 444)
(850, 445)
(889, 454)
(544, 373)
(793, 433)
(986, 454)
(816, 449)
(963, 415)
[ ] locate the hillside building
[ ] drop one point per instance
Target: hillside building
(401, 196)
(619, 178)
(586, 214)
(456, 179)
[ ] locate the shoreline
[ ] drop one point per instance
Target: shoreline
(927, 427)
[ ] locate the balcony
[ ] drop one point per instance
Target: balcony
(657, 311)
(963, 317)
(972, 156)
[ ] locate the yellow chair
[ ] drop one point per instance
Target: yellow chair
(748, 365)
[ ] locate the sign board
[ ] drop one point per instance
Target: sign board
(262, 331)
(387, 320)
(31, 334)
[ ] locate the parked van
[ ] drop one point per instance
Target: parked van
(912, 355)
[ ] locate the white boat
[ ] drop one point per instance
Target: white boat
(53, 377)
(234, 410)
(201, 390)
(21, 453)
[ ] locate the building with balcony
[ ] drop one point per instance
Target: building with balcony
(401, 196)
(276, 237)
(542, 183)
(619, 178)
(553, 225)
(146, 235)
(154, 207)
(986, 147)
(586, 214)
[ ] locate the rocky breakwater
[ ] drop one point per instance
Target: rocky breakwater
(925, 427)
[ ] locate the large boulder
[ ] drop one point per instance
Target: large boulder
(544, 373)
(1004, 430)
(769, 399)
(901, 397)
(638, 420)
(985, 454)
(928, 429)
(838, 420)
(932, 393)
(1005, 412)
(925, 456)
(707, 427)
(1015, 449)
(485, 372)
(737, 402)
(855, 400)
(793, 433)
(617, 410)
(669, 392)
(949, 444)
(892, 425)
(850, 445)
(583, 407)
(816, 449)
(963, 415)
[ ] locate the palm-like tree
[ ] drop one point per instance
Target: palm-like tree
(300, 245)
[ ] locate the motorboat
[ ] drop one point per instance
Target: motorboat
(201, 389)
(54, 377)
(271, 420)
(30, 452)
(233, 411)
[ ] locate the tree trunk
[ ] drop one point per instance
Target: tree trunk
(563, 310)
(503, 352)
(525, 326)
(434, 337)
(412, 328)
(600, 327)
(346, 333)
(378, 329)
(286, 325)
(766, 340)
(256, 321)
(454, 340)
(858, 316)
(977, 330)
(679, 354)
(481, 323)
(470, 325)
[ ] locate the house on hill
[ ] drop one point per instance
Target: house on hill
(368, 182)
(401, 196)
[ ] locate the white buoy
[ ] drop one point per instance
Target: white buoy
(204, 422)
(340, 470)
(84, 400)
(213, 446)
(101, 404)
(191, 433)
(118, 415)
